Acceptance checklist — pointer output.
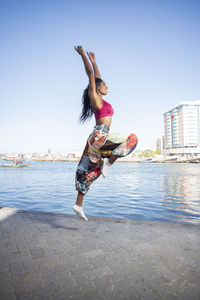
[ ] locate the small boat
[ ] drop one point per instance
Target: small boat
(15, 166)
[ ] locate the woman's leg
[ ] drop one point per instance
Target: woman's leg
(79, 200)
(89, 167)
(87, 172)
(79, 182)
(118, 150)
(83, 183)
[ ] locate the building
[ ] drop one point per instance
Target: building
(158, 145)
(182, 129)
(162, 142)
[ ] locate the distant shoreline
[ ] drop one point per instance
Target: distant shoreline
(132, 161)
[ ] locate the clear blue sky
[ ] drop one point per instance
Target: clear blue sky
(148, 53)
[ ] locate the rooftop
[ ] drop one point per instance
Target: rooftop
(197, 102)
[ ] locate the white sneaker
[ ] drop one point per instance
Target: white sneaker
(78, 209)
(105, 167)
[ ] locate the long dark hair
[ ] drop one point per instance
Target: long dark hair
(86, 105)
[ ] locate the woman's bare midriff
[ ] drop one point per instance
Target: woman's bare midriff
(104, 121)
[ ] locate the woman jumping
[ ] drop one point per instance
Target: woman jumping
(102, 149)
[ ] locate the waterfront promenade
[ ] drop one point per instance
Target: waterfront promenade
(59, 256)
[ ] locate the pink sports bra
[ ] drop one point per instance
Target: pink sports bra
(105, 111)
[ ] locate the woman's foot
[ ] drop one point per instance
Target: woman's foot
(105, 167)
(78, 209)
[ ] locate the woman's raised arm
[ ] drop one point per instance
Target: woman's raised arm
(88, 68)
(92, 58)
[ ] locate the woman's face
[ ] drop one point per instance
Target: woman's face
(102, 88)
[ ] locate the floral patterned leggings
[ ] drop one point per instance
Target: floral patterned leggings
(101, 144)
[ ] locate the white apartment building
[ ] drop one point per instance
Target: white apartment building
(182, 129)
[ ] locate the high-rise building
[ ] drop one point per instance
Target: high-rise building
(182, 129)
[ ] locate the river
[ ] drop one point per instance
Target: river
(139, 191)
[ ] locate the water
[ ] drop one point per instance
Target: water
(155, 192)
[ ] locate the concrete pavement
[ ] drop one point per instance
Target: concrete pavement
(59, 256)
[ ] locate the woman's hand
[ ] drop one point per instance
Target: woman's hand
(91, 57)
(79, 49)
